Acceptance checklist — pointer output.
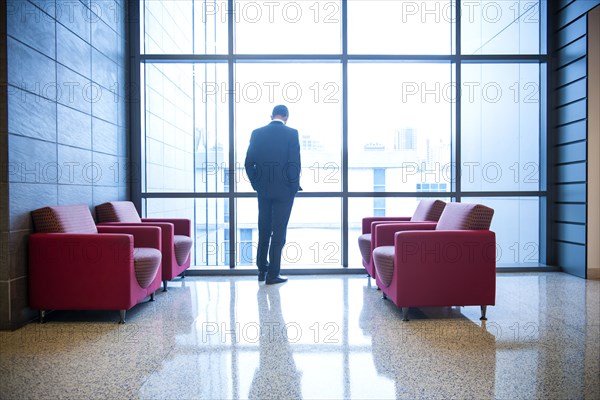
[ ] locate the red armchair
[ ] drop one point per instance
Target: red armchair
(73, 265)
(449, 264)
(176, 235)
(427, 210)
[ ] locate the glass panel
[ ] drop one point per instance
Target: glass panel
(247, 222)
(313, 236)
(500, 27)
(288, 27)
(399, 121)
(401, 27)
(184, 27)
(186, 128)
(210, 27)
(500, 127)
(211, 128)
(517, 225)
(315, 233)
(313, 95)
(212, 233)
(168, 27)
(169, 133)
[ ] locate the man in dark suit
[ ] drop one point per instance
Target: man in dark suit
(273, 167)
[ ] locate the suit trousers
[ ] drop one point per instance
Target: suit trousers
(273, 216)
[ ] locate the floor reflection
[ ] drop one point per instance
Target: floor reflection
(440, 353)
(321, 337)
(276, 376)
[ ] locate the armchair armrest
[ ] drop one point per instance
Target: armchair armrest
(384, 232)
(143, 236)
(446, 251)
(74, 248)
(182, 226)
(166, 228)
(366, 222)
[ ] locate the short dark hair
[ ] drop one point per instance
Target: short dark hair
(281, 110)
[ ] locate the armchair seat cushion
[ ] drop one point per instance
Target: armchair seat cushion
(383, 257)
(146, 261)
(364, 244)
(182, 245)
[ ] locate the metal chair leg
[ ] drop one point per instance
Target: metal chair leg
(164, 286)
(122, 316)
(483, 310)
(42, 316)
(152, 296)
(404, 313)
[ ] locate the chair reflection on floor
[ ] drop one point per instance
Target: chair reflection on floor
(277, 376)
(446, 357)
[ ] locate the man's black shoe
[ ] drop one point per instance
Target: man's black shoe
(262, 275)
(277, 279)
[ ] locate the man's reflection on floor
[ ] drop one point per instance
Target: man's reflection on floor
(276, 376)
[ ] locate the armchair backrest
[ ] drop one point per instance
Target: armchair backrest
(117, 211)
(64, 219)
(465, 216)
(429, 210)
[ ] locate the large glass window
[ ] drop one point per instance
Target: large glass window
(288, 27)
(500, 127)
(391, 124)
(394, 101)
(186, 142)
(401, 27)
(501, 27)
(313, 94)
(184, 26)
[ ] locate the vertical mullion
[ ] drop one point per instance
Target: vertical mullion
(458, 109)
(345, 227)
(194, 126)
(135, 110)
(545, 85)
(232, 148)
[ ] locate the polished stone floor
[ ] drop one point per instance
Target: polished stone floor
(319, 337)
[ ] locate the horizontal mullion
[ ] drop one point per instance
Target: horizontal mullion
(177, 58)
(191, 195)
(226, 195)
(490, 58)
(528, 193)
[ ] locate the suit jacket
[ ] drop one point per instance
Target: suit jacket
(273, 160)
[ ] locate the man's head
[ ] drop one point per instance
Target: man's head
(280, 112)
